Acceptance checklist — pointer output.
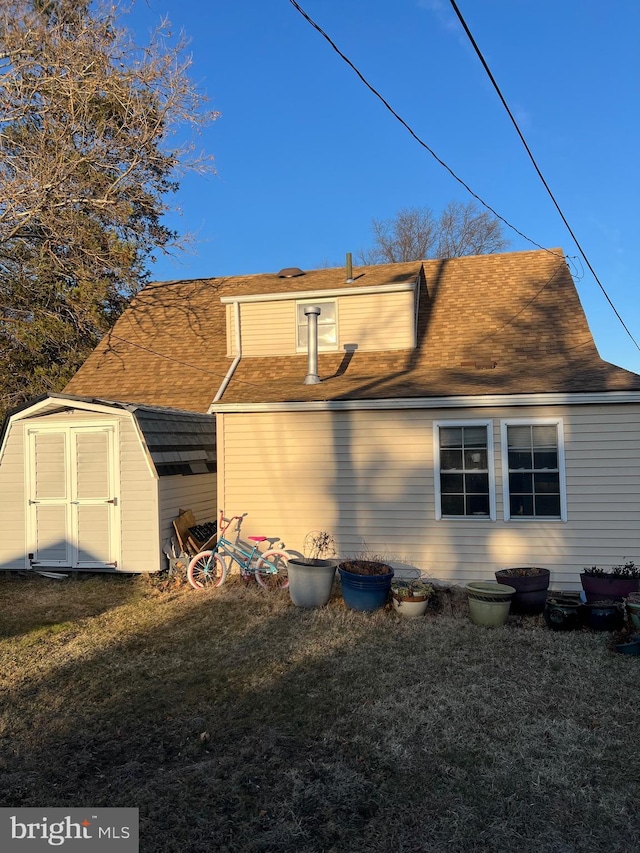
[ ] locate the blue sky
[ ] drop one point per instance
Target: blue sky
(306, 156)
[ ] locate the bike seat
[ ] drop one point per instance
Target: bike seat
(257, 538)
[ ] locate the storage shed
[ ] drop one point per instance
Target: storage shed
(95, 485)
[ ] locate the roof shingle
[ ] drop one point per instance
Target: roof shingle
(509, 323)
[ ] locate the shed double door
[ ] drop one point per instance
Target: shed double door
(72, 504)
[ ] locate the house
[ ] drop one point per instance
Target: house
(463, 420)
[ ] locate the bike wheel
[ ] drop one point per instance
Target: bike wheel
(206, 570)
(265, 574)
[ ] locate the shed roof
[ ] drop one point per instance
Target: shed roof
(178, 442)
(505, 323)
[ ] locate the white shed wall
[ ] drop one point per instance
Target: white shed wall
(368, 478)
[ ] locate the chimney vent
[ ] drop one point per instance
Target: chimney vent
(349, 268)
(312, 312)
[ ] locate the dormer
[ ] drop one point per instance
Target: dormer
(366, 317)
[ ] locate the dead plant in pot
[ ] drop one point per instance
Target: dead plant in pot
(311, 576)
(615, 583)
(411, 597)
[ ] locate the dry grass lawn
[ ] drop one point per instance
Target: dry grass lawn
(237, 722)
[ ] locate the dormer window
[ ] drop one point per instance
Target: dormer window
(327, 324)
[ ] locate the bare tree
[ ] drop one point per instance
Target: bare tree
(415, 233)
(88, 156)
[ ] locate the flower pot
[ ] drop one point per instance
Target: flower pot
(311, 581)
(562, 613)
(410, 606)
(603, 615)
(633, 612)
(364, 592)
(531, 585)
(489, 603)
(600, 587)
(630, 648)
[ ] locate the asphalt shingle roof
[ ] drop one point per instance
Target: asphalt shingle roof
(509, 323)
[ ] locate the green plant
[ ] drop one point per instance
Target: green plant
(318, 545)
(627, 570)
(411, 588)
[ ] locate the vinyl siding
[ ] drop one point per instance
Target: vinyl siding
(196, 492)
(12, 503)
(383, 321)
(368, 478)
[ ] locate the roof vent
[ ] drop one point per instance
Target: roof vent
(290, 272)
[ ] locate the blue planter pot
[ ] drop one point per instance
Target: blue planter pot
(365, 592)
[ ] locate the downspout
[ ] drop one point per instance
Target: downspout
(236, 360)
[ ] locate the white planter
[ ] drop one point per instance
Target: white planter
(410, 608)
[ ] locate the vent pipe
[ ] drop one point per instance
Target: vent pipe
(312, 313)
(349, 268)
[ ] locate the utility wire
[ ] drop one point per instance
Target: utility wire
(448, 168)
(535, 165)
(410, 129)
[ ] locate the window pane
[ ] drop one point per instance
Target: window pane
(451, 460)
(477, 504)
(475, 459)
(450, 483)
(545, 459)
(453, 505)
(475, 436)
(519, 436)
(519, 459)
(477, 483)
(520, 482)
(548, 505)
(545, 436)
(521, 505)
(326, 335)
(450, 436)
(548, 483)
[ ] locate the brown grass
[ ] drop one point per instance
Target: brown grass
(237, 722)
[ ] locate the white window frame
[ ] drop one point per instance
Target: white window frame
(320, 302)
(528, 519)
(488, 424)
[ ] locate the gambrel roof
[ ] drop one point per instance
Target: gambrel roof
(505, 323)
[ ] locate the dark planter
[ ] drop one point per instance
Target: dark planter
(633, 611)
(531, 585)
(600, 587)
(365, 592)
(562, 613)
(603, 615)
(311, 581)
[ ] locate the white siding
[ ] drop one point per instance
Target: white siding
(12, 503)
(368, 478)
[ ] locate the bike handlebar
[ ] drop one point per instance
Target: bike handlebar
(224, 527)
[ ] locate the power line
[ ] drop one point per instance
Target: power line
(535, 165)
(424, 145)
(399, 118)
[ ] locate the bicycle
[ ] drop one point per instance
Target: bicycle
(209, 569)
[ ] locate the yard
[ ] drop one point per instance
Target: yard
(237, 722)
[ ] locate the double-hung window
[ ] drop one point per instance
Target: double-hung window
(464, 479)
(533, 469)
(327, 325)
